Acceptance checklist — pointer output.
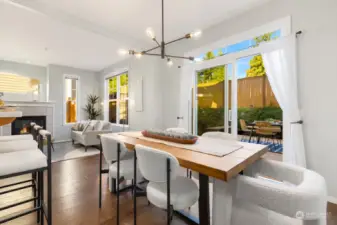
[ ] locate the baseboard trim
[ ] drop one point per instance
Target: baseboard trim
(332, 200)
(61, 141)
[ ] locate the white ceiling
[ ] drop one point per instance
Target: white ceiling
(87, 33)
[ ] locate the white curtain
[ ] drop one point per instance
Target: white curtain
(279, 58)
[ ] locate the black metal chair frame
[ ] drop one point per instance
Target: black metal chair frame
(117, 190)
(168, 182)
(37, 184)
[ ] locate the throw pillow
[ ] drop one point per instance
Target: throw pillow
(80, 127)
(106, 126)
(86, 125)
(75, 127)
(98, 126)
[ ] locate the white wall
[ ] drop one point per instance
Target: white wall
(317, 72)
(152, 70)
(88, 85)
(317, 75)
(26, 70)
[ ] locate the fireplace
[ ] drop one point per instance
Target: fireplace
(21, 124)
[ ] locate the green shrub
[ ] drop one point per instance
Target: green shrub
(208, 117)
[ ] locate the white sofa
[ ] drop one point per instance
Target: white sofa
(88, 137)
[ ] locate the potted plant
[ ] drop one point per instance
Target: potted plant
(90, 107)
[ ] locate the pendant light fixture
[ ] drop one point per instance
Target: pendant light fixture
(162, 46)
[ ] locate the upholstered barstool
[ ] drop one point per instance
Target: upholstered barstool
(26, 158)
(277, 193)
(165, 189)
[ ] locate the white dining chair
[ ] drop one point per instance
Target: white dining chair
(165, 189)
(182, 131)
(109, 147)
(276, 193)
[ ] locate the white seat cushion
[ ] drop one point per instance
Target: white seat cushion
(19, 145)
(16, 162)
(126, 169)
(16, 137)
(184, 193)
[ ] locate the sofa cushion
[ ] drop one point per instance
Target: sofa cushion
(99, 126)
(106, 125)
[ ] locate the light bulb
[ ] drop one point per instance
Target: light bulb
(196, 34)
(197, 59)
(169, 62)
(138, 55)
(123, 52)
(150, 33)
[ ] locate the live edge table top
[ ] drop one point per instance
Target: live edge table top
(222, 168)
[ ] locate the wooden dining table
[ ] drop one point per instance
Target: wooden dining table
(222, 171)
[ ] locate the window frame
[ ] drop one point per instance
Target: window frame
(283, 24)
(116, 74)
(70, 76)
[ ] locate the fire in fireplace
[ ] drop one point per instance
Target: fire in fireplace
(21, 124)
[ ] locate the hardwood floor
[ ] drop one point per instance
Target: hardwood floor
(75, 200)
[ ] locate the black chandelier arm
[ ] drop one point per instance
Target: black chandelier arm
(151, 49)
(180, 57)
(169, 56)
(178, 39)
(155, 40)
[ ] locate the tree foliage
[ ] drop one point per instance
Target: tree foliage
(214, 74)
(124, 80)
(256, 63)
(256, 67)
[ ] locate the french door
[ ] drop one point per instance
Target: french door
(214, 98)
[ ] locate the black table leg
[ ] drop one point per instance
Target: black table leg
(135, 188)
(204, 212)
(118, 178)
(100, 177)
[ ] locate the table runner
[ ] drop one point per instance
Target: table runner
(206, 145)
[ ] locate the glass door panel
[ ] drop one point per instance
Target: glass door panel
(212, 100)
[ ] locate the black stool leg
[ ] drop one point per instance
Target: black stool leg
(38, 196)
(49, 207)
(42, 212)
(34, 188)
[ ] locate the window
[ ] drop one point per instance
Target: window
(71, 95)
(243, 45)
(247, 98)
(118, 98)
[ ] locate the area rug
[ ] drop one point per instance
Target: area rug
(66, 151)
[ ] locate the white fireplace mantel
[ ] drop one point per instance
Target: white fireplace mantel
(30, 103)
(32, 108)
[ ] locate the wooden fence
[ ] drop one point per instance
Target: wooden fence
(252, 92)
